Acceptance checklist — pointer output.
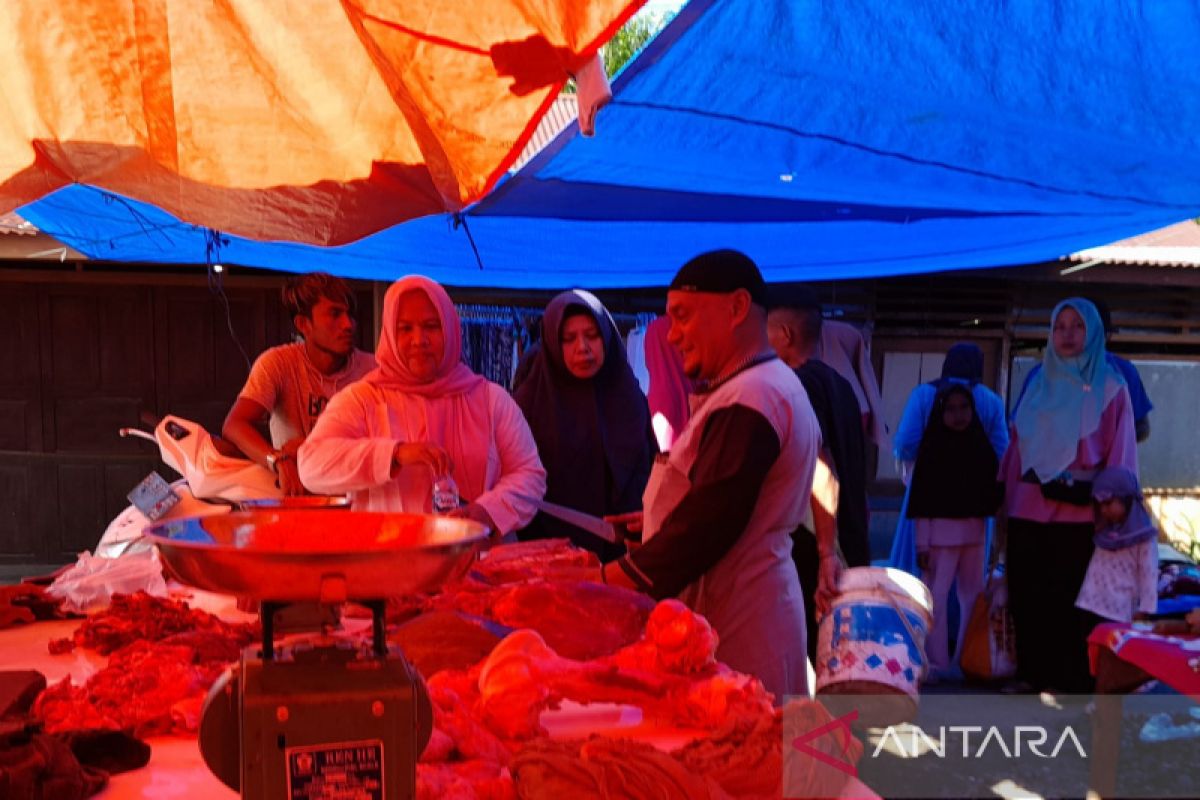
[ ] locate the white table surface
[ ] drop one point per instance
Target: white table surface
(176, 768)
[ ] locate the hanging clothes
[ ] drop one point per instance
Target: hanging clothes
(635, 351)
(843, 347)
(669, 386)
(492, 337)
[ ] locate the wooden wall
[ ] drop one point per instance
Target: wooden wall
(85, 354)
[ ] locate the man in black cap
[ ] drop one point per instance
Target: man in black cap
(794, 330)
(720, 508)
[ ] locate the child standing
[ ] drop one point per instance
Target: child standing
(1122, 577)
(954, 489)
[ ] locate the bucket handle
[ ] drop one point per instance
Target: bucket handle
(921, 661)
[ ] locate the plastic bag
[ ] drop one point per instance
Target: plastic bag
(90, 584)
(989, 650)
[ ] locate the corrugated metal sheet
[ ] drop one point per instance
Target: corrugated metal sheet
(11, 223)
(1176, 245)
(563, 111)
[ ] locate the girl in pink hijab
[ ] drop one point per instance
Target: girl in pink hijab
(422, 415)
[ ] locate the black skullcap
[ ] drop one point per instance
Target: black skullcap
(721, 271)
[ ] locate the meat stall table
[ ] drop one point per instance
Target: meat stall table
(176, 769)
(644, 672)
(1124, 657)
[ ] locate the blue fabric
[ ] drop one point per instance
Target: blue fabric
(1180, 604)
(1066, 399)
(964, 361)
(855, 139)
(1137, 391)
(988, 405)
(904, 543)
(1133, 380)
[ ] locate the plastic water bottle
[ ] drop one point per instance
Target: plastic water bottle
(445, 495)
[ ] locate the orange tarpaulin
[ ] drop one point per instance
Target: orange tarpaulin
(307, 120)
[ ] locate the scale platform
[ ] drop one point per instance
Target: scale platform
(308, 555)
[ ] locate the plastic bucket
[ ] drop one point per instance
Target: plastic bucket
(872, 643)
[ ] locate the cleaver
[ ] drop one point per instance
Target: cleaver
(593, 525)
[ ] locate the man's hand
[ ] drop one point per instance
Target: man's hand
(828, 574)
(478, 513)
(287, 475)
(630, 522)
(409, 454)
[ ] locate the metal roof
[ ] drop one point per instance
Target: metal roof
(1176, 245)
(563, 111)
(11, 223)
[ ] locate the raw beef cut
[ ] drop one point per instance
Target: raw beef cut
(441, 640)
(542, 558)
(579, 619)
(149, 687)
(676, 640)
(469, 740)
(745, 755)
(524, 676)
(600, 768)
(141, 617)
(465, 780)
(138, 691)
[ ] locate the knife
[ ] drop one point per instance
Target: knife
(593, 525)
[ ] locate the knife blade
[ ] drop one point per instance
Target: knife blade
(593, 525)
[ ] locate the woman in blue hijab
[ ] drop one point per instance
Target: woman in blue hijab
(1074, 421)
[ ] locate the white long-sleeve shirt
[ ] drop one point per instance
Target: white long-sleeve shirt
(350, 450)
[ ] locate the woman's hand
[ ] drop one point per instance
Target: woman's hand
(411, 454)
(478, 513)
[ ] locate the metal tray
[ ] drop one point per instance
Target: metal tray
(313, 502)
(314, 555)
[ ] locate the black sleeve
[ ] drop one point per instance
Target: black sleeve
(737, 448)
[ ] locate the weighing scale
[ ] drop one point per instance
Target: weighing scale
(325, 716)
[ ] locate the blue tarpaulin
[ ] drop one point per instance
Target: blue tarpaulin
(827, 140)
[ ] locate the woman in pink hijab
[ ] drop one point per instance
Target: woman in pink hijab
(422, 415)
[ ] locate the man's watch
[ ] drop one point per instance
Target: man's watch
(275, 457)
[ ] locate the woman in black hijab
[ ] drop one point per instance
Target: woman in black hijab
(589, 418)
(954, 489)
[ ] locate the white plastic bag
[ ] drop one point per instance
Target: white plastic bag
(90, 584)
